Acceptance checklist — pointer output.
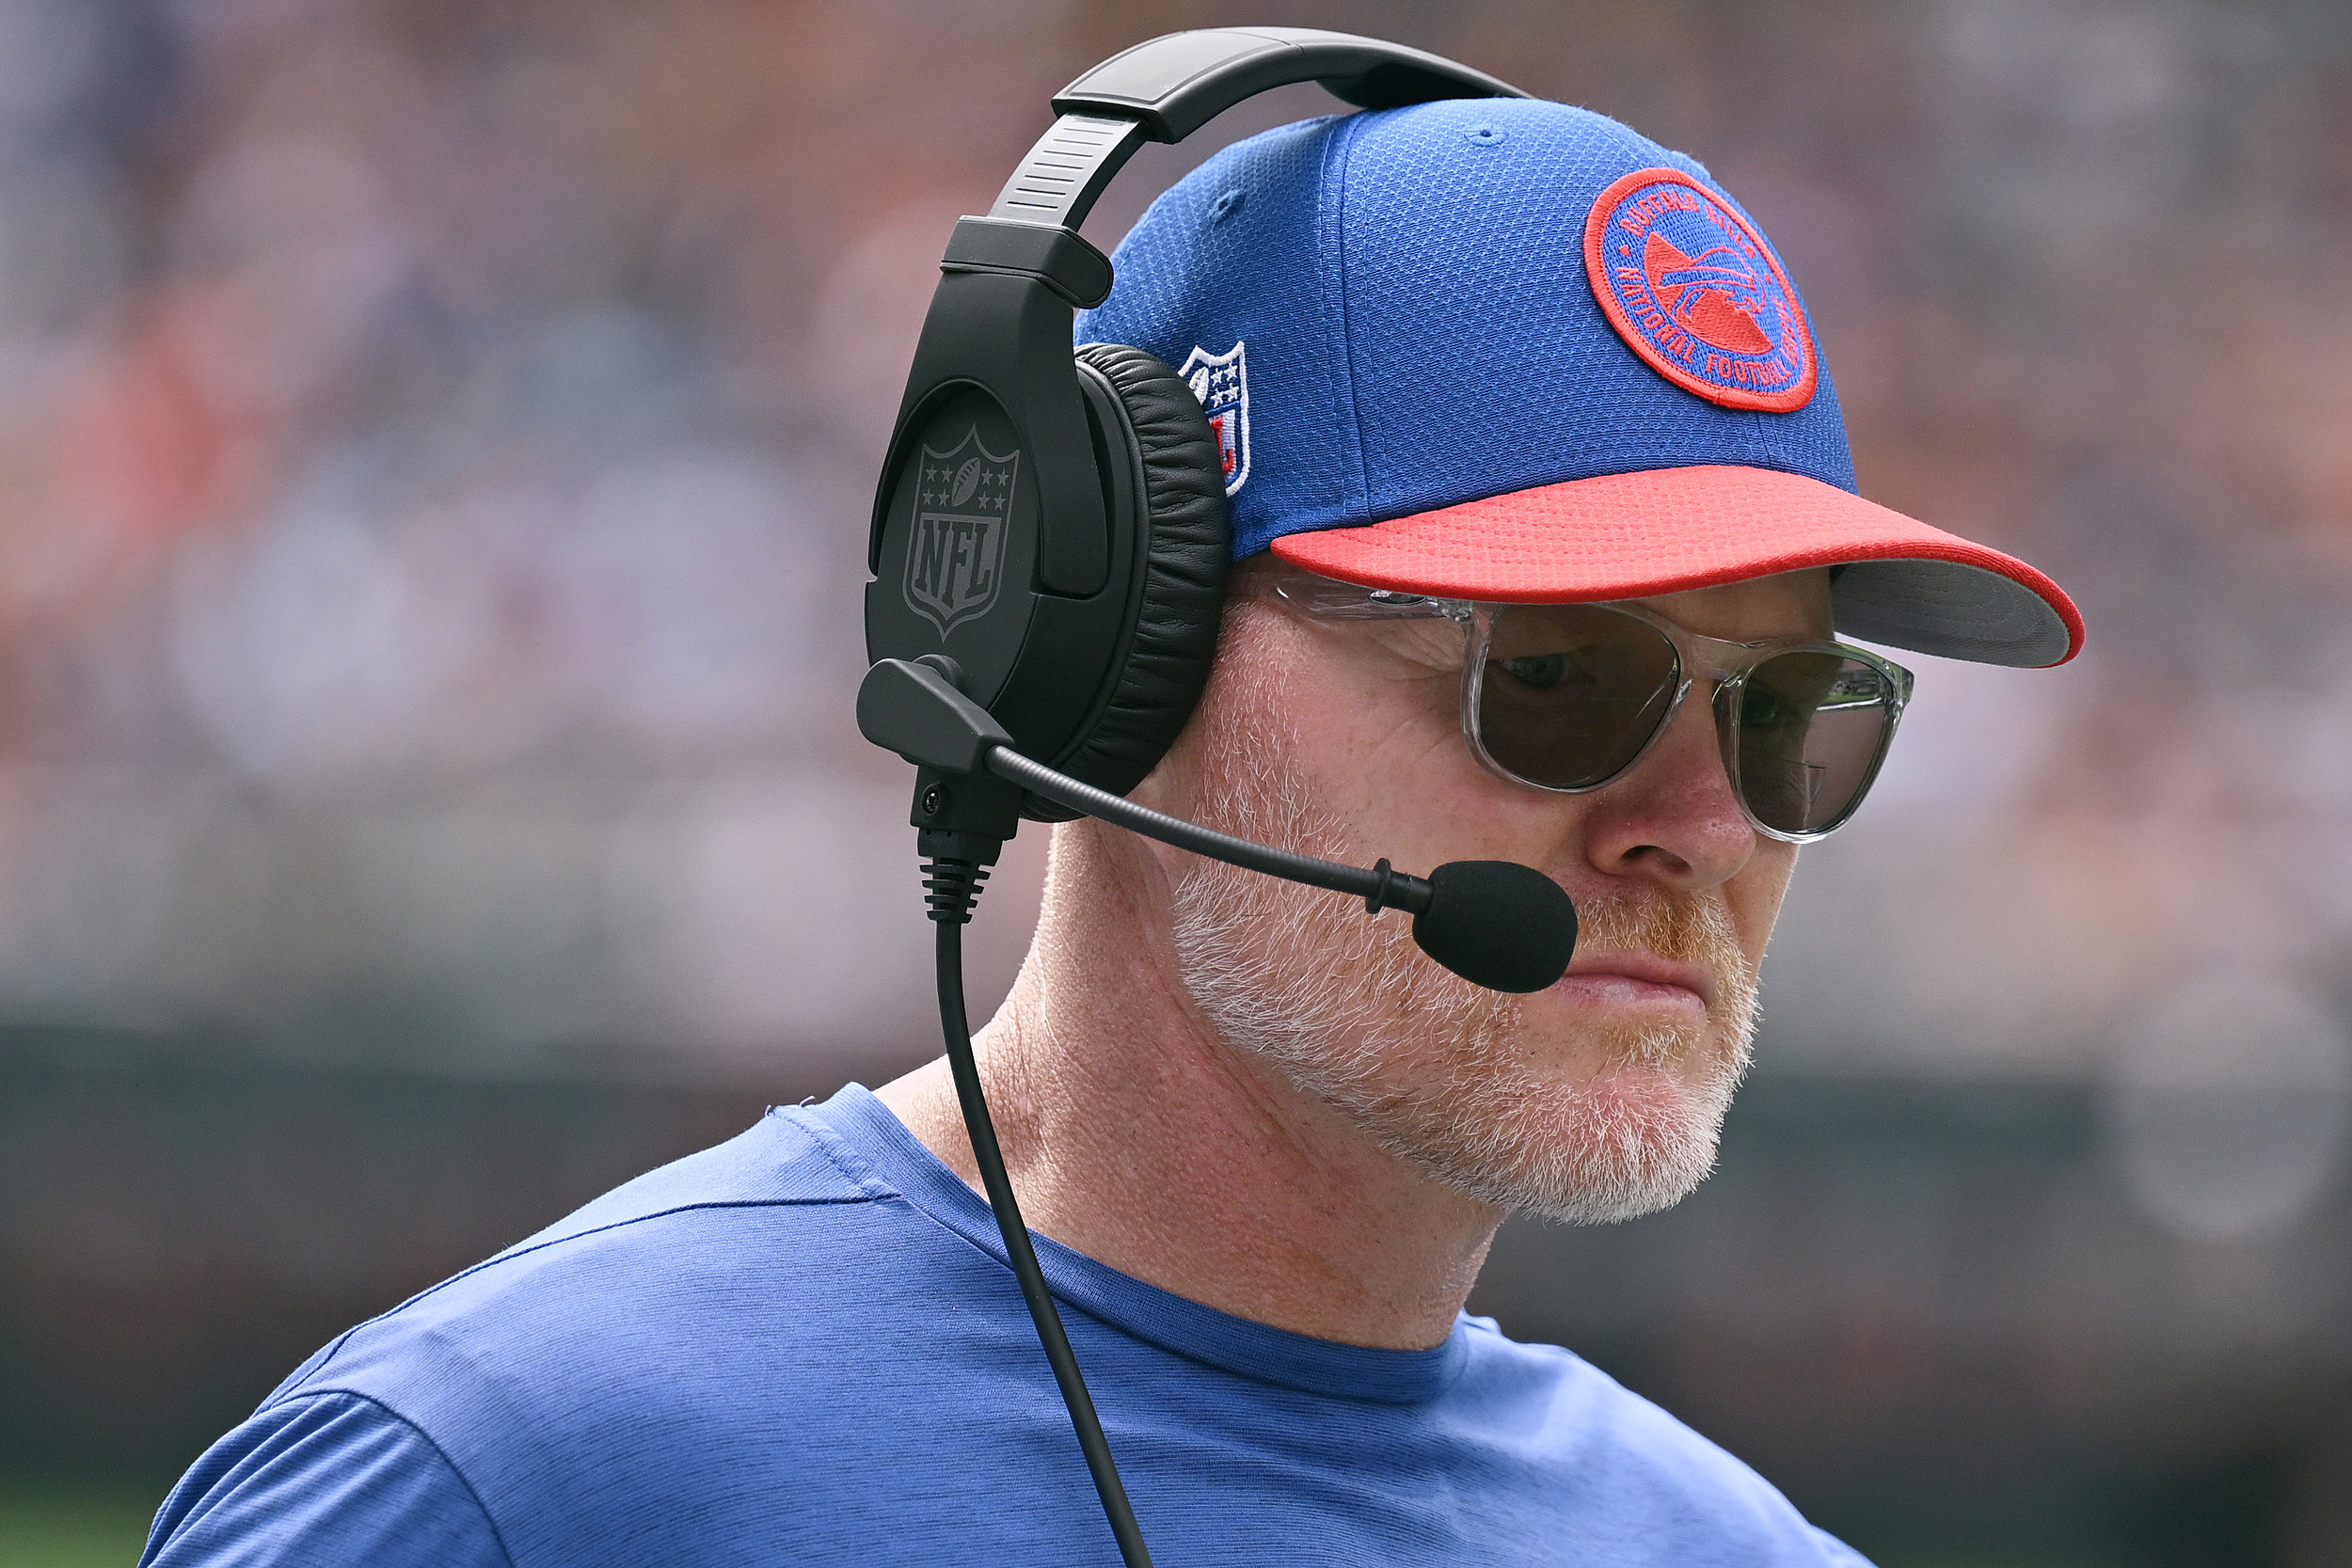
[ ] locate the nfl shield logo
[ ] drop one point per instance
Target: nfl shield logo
(956, 557)
(1221, 382)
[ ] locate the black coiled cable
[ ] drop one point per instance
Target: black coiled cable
(952, 887)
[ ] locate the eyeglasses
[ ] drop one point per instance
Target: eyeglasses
(1568, 697)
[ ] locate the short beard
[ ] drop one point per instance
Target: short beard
(1437, 1071)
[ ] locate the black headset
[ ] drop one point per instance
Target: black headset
(1049, 550)
(1056, 526)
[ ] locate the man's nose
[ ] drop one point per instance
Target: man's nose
(1675, 818)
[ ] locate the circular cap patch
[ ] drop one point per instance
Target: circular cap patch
(1692, 289)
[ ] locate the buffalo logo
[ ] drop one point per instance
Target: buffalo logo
(956, 559)
(1691, 288)
(1714, 297)
(1221, 382)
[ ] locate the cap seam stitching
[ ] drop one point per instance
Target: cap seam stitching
(1358, 501)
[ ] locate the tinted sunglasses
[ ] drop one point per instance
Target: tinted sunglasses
(1568, 697)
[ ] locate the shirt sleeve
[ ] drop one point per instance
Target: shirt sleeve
(324, 1479)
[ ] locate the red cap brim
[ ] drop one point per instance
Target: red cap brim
(1662, 531)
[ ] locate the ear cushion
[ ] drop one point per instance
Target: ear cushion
(1187, 549)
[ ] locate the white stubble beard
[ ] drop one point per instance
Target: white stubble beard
(1433, 1067)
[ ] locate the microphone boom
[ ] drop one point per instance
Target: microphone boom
(1496, 923)
(1392, 889)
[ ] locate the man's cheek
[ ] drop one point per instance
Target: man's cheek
(1756, 893)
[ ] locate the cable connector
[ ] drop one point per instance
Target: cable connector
(965, 822)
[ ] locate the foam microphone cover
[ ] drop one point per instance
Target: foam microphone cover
(1498, 923)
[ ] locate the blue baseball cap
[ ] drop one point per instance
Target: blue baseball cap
(1505, 349)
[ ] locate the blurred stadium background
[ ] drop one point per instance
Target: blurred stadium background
(434, 448)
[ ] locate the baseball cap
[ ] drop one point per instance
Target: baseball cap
(1510, 350)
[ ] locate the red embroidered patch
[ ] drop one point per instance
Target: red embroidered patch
(1694, 291)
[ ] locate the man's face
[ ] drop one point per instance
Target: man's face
(1597, 1099)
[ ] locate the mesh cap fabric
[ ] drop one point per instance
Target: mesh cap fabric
(1418, 383)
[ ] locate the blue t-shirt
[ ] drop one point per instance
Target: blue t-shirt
(805, 1346)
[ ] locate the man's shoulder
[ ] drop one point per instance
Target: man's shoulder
(785, 1157)
(1638, 1467)
(676, 1247)
(675, 1318)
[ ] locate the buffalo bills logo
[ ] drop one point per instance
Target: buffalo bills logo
(1693, 290)
(955, 560)
(1221, 382)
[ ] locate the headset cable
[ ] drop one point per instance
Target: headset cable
(952, 883)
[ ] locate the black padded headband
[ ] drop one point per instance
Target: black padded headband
(1164, 89)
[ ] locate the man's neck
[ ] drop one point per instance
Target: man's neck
(1136, 1135)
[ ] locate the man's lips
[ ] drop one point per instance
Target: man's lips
(1631, 979)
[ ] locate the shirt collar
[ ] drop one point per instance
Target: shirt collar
(876, 1147)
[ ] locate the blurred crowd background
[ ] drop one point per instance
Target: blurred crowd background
(436, 439)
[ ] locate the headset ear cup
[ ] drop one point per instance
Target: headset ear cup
(1186, 550)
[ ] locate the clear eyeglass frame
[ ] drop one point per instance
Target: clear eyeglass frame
(1727, 663)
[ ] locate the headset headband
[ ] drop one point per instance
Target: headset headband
(1164, 89)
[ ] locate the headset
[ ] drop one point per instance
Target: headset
(1048, 555)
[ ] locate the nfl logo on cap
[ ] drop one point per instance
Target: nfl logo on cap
(1221, 382)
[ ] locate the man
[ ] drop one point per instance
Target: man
(1546, 523)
